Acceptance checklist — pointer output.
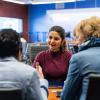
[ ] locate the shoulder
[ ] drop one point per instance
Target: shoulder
(25, 68)
(42, 53)
(24, 72)
(68, 53)
(80, 56)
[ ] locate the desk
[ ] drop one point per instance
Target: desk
(52, 93)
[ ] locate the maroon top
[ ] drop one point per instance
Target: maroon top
(54, 64)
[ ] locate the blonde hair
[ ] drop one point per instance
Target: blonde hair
(89, 27)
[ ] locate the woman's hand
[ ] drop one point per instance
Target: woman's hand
(39, 70)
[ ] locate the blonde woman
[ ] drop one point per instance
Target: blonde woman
(85, 62)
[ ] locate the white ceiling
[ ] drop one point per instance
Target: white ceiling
(39, 1)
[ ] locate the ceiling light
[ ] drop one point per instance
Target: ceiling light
(15, 1)
(51, 1)
(39, 1)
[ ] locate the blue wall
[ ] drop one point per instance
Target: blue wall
(39, 22)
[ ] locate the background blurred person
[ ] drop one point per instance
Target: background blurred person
(24, 45)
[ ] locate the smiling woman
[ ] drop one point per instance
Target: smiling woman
(54, 61)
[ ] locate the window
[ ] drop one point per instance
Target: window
(14, 23)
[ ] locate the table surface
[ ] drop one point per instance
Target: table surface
(53, 92)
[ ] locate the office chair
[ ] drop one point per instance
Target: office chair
(36, 49)
(93, 92)
(10, 94)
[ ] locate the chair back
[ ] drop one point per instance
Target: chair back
(36, 49)
(93, 92)
(10, 94)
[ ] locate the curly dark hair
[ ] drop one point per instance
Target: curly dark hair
(9, 43)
